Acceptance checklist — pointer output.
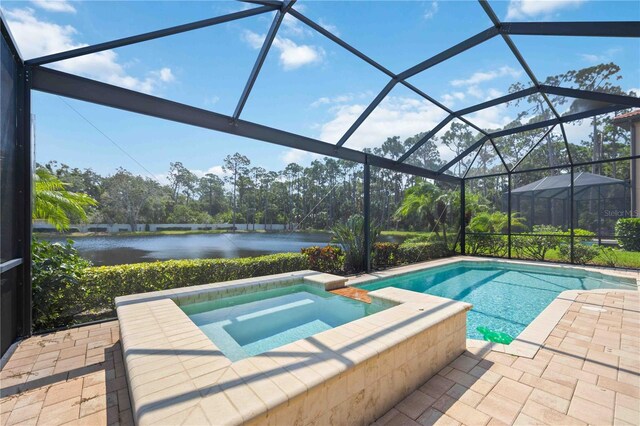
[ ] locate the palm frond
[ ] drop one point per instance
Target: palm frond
(55, 204)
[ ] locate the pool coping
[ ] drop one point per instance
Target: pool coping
(172, 366)
(532, 338)
(406, 269)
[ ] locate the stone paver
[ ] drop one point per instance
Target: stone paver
(587, 372)
(82, 381)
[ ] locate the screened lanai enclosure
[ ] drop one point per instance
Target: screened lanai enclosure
(558, 157)
(546, 201)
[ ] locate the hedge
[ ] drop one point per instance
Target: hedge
(101, 285)
(328, 259)
(104, 283)
(391, 254)
(385, 255)
(628, 232)
(419, 252)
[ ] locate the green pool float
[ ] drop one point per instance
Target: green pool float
(495, 336)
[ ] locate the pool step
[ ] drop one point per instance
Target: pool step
(329, 281)
(353, 293)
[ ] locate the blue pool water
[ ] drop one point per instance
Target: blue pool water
(250, 324)
(505, 297)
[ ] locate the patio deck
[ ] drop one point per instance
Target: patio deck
(588, 372)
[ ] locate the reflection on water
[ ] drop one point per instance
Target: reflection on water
(115, 250)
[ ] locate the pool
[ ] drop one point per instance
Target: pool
(506, 297)
(250, 324)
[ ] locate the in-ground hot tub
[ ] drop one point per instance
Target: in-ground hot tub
(344, 367)
(250, 324)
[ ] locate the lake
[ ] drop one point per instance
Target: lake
(116, 250)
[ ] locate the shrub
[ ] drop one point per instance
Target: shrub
(583, 252)
(419, 252)
(103, 284)
(493, 245)
(385, 254)
(628, 232)
(350, 236)
(328, 259)
(609, 256)
(58, 289)
(532, 245)
(483, 232)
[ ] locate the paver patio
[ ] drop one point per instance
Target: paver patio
(588, 372)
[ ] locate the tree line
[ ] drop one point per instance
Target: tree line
(328, 191)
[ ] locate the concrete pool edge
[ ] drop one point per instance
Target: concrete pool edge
(532, 338)
(372, 362)
(356, 280)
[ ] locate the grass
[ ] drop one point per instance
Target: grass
(625, 259)
(406, 234)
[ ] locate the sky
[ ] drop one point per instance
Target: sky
(308, 84)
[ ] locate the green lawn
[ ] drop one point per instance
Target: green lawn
(406, 234)
(625, 259)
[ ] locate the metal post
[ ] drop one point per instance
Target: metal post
(635, 173)
(532, 213)
(366, 183)
(571, 212)
(599, 216)
(463, 218)
(24, 195)
(509, 216)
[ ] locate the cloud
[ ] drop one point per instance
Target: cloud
(450, 99)
(395, 116)
(216, 170)
(291, 54)
(37, 38)
(329, 27)
(294, 56)
(484, 76)
(475, 92)
(578, 131)
(607, 56)
(164, 74)
(342, 99)
(254, 40)
(55, 5)
(297, 156)
(291, 26)
(492, 118)
(211, 100)
(493, 93)
(522, 9)
(591, 58)
(163, 178)
(432, 10)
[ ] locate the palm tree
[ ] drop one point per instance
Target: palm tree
(55, 204)
(424, 201)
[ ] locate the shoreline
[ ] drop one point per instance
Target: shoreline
(171, 232)
(391, 233)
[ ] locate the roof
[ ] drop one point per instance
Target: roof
(624, 120)
(621, 117)
(564, 181)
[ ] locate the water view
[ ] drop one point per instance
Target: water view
(116, 250)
